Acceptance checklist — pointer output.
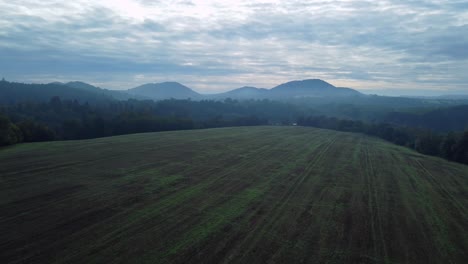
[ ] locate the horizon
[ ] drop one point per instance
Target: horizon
(391, 47)
(380, 92)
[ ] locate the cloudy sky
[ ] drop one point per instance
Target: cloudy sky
(219, 45)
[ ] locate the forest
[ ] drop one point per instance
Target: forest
(67, 119)
(451, 146)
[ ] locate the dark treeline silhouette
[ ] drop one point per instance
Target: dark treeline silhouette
(69, 119)
(9, 132)
(452, 146)
(60, 119)
(443, 119)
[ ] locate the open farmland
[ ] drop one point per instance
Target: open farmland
(231, 195)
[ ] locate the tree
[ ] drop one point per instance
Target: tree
(428, 144)
(9, 133)
(447, 146)
(34, 132)
(461, 149)
(56, 104)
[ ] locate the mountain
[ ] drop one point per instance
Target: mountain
(83, 86)
(311, 88)
(159, 91)
(118, 95)
(294, 89)
(165, 90)
(11, 92)
(245, 92)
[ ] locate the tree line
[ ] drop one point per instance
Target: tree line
(60, 119)
(451, 146)
(69, 119)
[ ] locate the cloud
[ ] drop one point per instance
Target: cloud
(218, 45)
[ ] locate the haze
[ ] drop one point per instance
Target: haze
(393, 47)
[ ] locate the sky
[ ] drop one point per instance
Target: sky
(405, 46)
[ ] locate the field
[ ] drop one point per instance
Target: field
(231, 195)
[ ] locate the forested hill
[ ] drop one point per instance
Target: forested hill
(11, 93)
(115, 94)
(166, 90)
(311, 88)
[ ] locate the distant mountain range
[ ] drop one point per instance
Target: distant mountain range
(14, 92)
(294, 89)
(11, 92)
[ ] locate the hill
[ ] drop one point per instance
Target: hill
(245, 92)
(114, 94)
(165, 90)
(83, 86)
(231, 195)
(311, 88)
(11, 92)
